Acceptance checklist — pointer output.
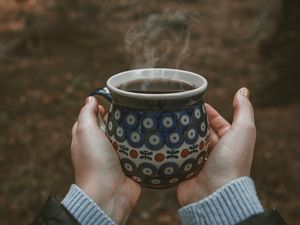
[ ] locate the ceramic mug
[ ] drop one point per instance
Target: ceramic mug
(160, 134)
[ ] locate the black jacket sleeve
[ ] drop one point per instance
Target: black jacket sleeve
(268, 217)
(53, 213)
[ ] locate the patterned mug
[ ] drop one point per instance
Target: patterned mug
(160, 134)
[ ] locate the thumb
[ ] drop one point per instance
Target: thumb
(243, 111)
(88, 116)
(242, 134)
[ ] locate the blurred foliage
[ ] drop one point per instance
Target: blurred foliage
(53, 53)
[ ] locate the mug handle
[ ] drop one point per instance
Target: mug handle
(105, 94)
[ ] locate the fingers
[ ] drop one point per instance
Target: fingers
(239, 141)
(243, 111)
(243, 128)
(214, 139)
(216, 121)
(103, 112)
(88, 116)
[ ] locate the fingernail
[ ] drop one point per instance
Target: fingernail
(89, 99)
(245, 92)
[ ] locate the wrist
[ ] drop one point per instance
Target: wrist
(83, 208)
(112, 199)
(230, 204)
(202, 186)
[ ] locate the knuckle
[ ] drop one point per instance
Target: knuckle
(249, 126)
(86, 129)
(82, 129)
(83, 110)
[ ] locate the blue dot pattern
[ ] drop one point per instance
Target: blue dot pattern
(148, 132)
(155, 129)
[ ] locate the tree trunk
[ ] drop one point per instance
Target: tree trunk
(282, 51)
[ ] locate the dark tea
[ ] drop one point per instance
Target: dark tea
(156, 86)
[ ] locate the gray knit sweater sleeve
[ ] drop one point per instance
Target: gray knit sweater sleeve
(231, 204)
(84, 209)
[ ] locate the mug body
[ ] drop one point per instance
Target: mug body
(161, 139)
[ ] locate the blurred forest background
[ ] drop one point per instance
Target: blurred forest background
(54, 52)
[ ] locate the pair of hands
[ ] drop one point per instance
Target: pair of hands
(98, 172)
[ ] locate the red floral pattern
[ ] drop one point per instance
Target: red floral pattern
(184, 153)
(115, 145)
(159, 157)
(133, 154)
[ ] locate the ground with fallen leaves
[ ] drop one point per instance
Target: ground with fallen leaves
(53, 54)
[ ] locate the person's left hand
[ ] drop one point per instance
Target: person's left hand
(97, 168)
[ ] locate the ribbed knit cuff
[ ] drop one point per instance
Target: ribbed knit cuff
(84, 209)
(231, 204)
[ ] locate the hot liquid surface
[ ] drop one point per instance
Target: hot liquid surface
(156, 86)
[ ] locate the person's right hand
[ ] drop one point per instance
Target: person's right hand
(231, 154)
(97, 167)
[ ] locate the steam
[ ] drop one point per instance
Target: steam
(159, 40)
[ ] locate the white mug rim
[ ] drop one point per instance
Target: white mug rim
(196, 79)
